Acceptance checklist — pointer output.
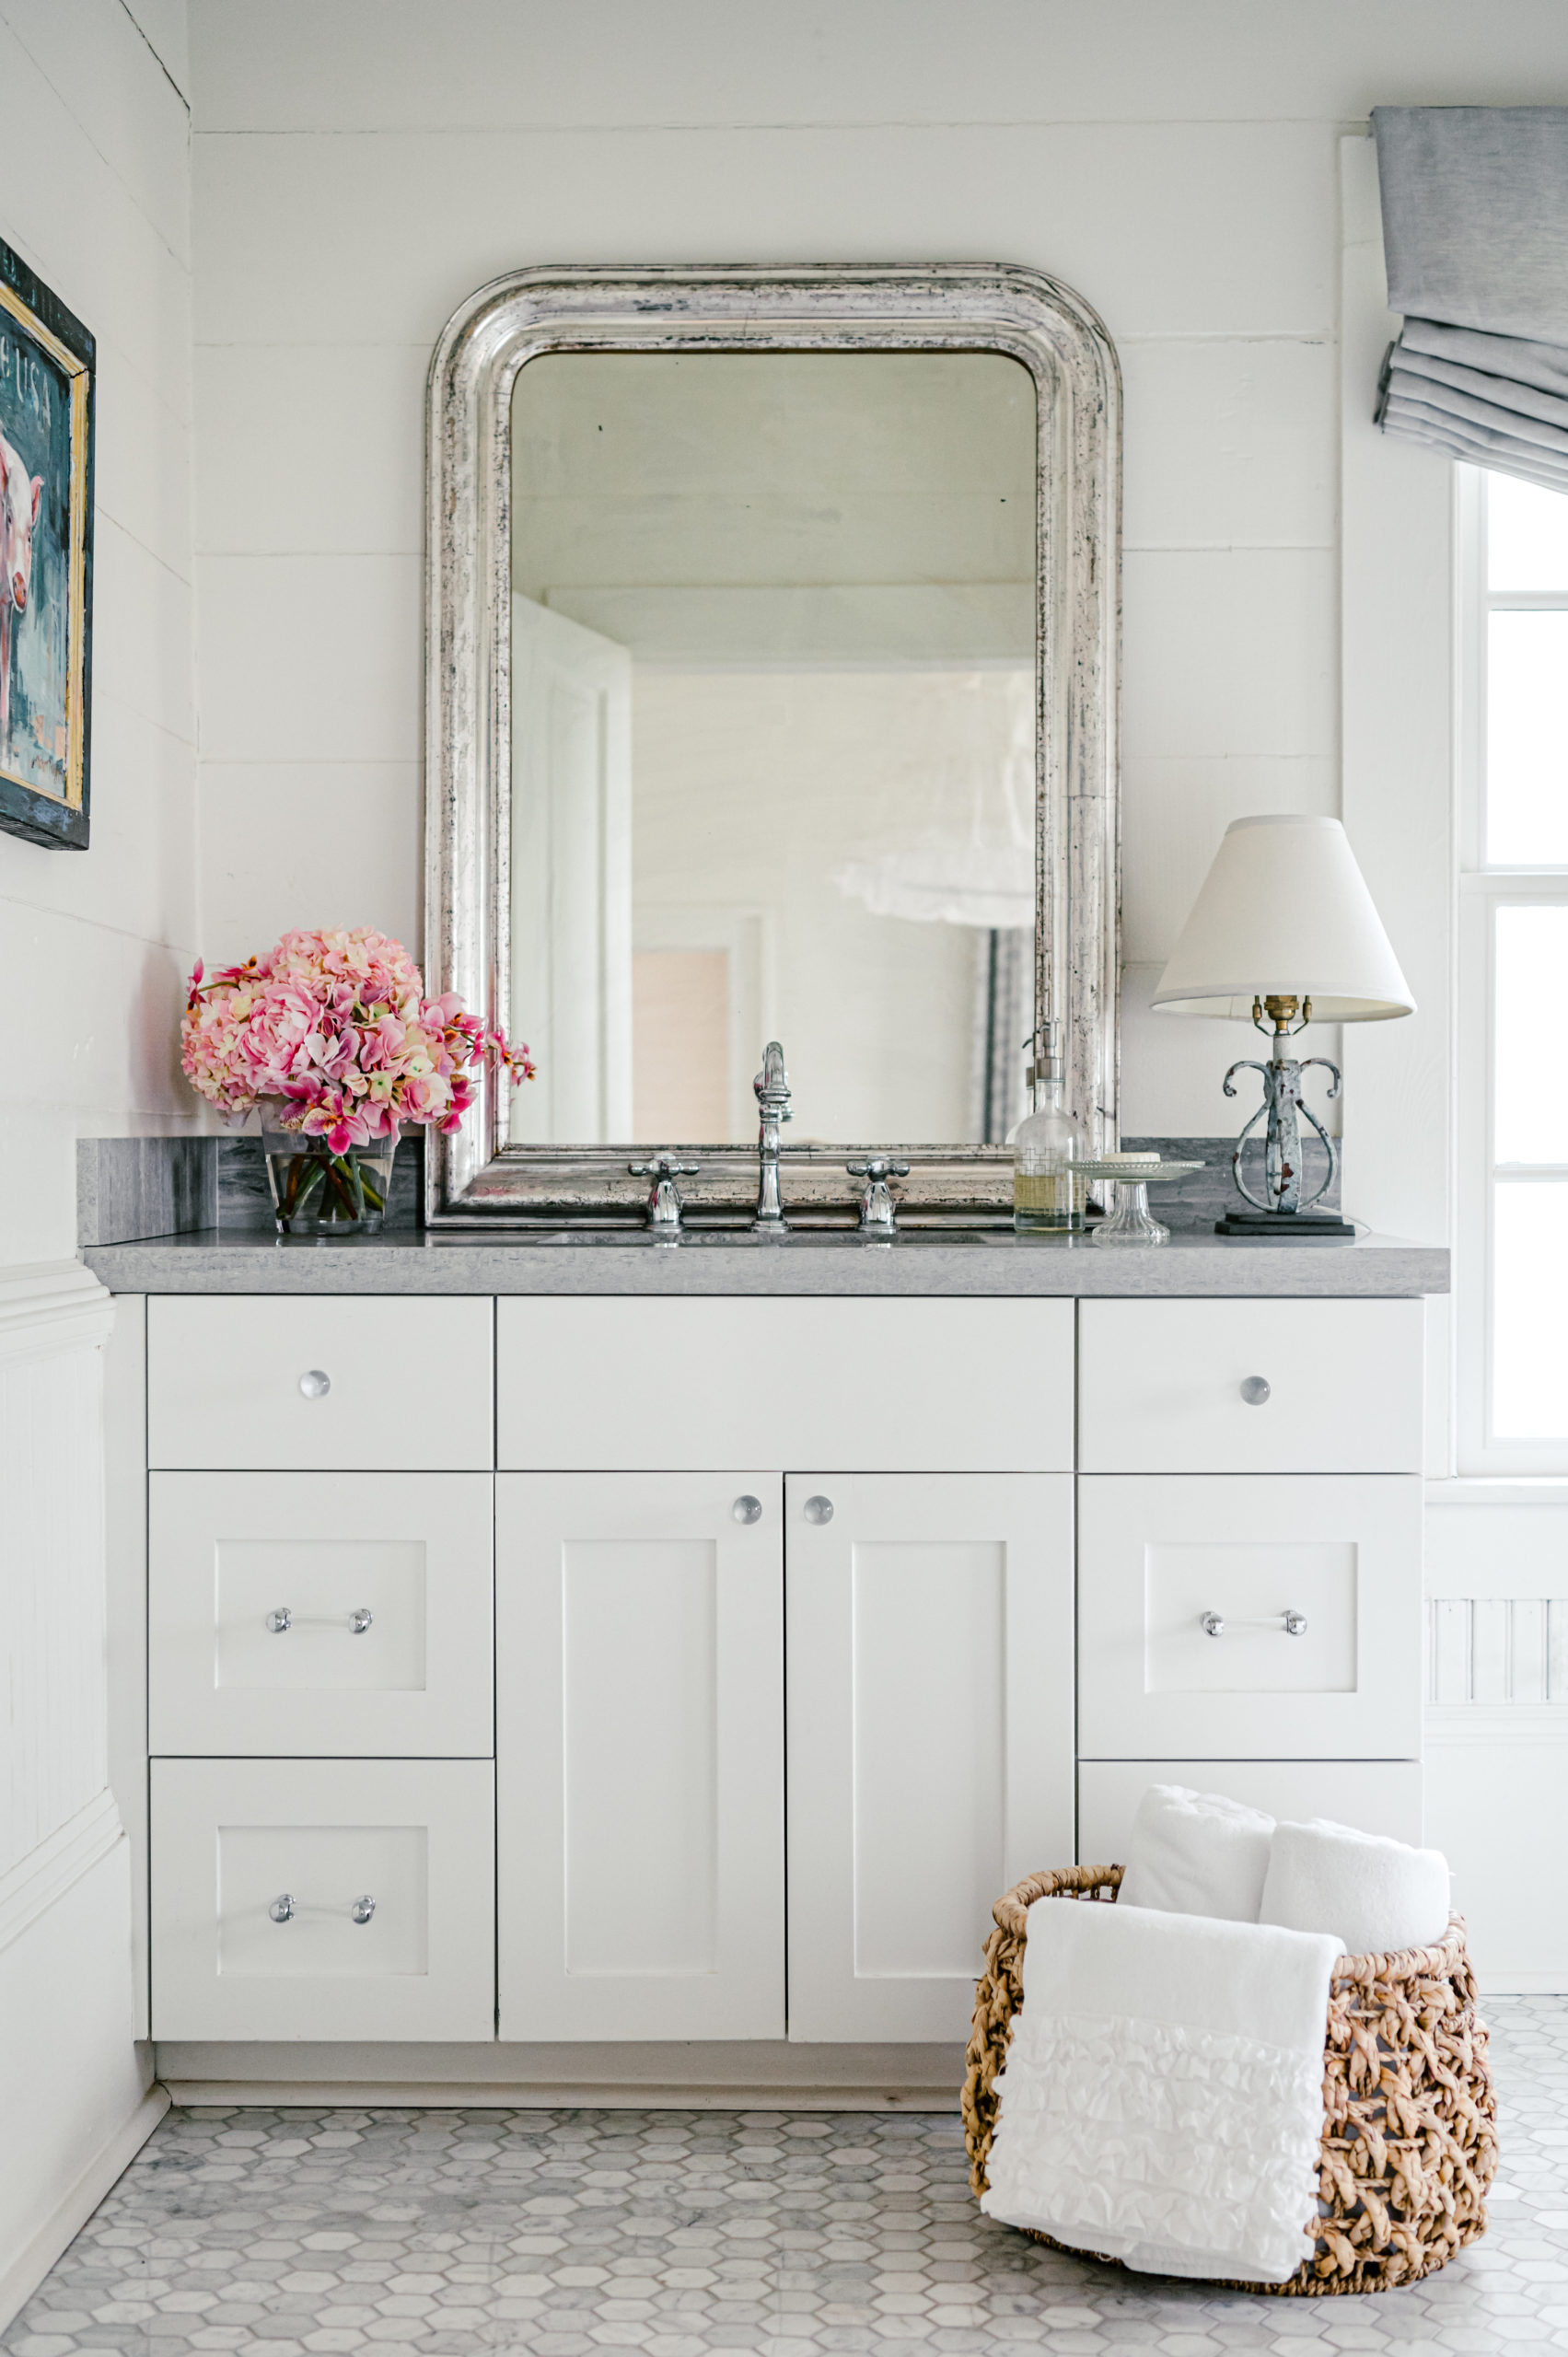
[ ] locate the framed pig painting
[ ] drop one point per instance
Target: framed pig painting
(47, 375)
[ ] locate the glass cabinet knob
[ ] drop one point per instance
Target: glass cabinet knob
(281, 1908)
(747, 1509)
(281, 1621)
(315, 1382)
(1255, 1390)
(819, 1509)
(362, 1908)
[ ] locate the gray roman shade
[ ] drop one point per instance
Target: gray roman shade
(1475, 233)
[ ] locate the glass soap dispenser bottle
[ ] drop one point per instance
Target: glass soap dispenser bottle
(1048, 1198)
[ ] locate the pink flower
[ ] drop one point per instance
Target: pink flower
(336, 1026)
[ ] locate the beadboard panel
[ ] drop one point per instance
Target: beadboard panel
(54, 1745)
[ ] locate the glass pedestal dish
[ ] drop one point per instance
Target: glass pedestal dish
(1130, 1222)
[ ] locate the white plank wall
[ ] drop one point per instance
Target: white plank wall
(53, 1717)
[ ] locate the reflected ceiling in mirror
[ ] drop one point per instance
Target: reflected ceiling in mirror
(772, 770)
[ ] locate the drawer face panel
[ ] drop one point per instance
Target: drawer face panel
(320, 1614)
(1249, 1616)
(322, 1898)
(1160, 1386)
(1378, 1796)
(234, 1384)
(590, 1383)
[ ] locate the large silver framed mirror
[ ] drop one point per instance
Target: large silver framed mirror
(773, 622)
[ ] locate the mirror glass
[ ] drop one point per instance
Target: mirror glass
(773, 712)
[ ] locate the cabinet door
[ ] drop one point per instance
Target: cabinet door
(1249, 1617)
(640, 1755)
(930, 1753)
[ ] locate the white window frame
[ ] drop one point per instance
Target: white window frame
(1483, 889)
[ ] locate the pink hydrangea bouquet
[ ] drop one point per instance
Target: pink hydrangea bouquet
(332, 1032)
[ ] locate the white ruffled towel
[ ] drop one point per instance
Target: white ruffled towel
(1163, 2097)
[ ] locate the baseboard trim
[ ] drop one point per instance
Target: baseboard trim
(21, 2278)
(596, 2095)
(1522, 1984)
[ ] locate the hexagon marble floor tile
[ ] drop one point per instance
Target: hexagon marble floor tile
(571, 2233)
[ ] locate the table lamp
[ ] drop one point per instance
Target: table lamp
(1284, 931)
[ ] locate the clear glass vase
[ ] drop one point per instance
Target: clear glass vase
(317, 1192)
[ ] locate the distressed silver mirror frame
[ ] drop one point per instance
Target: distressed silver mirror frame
(475, 1175)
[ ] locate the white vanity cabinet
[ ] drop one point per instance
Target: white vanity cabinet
(669, 1670)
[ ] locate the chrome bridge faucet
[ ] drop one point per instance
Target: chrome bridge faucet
(772, 1087)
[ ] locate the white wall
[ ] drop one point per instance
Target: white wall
(94, 195)
(361, 168)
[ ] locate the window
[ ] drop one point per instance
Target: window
(1513, 1275)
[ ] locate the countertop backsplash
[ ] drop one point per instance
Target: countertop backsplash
(131, 1189)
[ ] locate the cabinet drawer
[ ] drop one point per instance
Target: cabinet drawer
(234, 1384)
(233, 1841)
(1378, 1796)
(598, 1384)
(1161, 1386)
(1337, 1554)
(320, 1613)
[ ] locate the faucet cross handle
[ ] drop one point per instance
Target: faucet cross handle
(664, 1195)
(879, 1212)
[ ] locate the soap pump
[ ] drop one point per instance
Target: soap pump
(1048, 1197)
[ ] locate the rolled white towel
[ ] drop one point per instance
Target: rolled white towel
(1197, 1854)
(1379, 1895)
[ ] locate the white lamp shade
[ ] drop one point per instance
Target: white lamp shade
(1284, 911)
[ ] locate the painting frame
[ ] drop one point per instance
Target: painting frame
(48, 405)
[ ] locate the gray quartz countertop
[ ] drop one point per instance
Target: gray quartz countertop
(928, 1261)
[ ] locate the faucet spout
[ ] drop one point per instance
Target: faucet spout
(771, 1089)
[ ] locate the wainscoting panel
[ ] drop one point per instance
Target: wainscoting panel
(1498, 1649)
(73, 2082)
(53, 1739)
(1496, 1721)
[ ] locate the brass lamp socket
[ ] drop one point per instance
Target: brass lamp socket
(1282, 1010)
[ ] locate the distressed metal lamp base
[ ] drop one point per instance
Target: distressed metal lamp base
(1286, 1227)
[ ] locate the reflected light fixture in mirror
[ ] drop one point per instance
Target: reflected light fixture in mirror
(773, 775)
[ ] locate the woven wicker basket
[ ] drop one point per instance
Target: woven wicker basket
(1410, 2144)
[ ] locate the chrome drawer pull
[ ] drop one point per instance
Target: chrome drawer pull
(283, 1908)
(817, 1509)
(281, 1620)
(1293, 1624)
(1255, 1390)
(315, 1382)
(747, 1509)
